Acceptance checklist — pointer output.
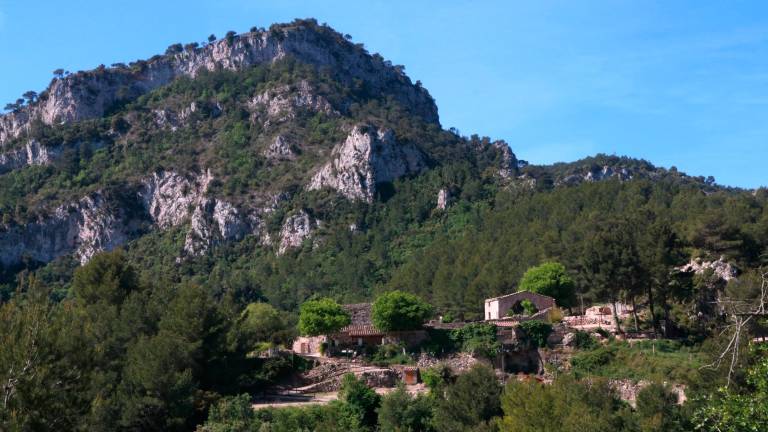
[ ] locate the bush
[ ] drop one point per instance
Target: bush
(536, 332)
(528, 307)
(437, 377)
(472, 400)
(583, 340)
(591, 362)
(402, 412)
(477, 339)
(388, 354)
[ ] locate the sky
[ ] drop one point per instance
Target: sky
(679, 83)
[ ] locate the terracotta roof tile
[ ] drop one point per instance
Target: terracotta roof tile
(361, 330)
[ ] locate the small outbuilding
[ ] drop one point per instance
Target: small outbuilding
(508, 305)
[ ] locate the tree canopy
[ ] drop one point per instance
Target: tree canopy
(322, 316)
(398, 311)
(550, 279)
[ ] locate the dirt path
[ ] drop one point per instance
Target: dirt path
(284, 401)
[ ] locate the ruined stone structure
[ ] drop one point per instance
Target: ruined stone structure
(505, 306)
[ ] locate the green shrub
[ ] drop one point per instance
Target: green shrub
(536, 332)
(584, 341)
(477, 339)
(528, 307)
(389, 354)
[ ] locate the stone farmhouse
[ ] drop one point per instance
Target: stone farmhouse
(359, 334)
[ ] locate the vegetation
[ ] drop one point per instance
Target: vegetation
(738, 411)
(478, 339)
(571, 406)
(399, 311)
(322, 316)
(138, 340)
(121, 352)
(550, 279)
(470, 403)
(536, 332)
(649, 360)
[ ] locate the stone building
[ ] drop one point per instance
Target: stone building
(360, 333)
(509, 305)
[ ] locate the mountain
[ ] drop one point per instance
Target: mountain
(265, 154)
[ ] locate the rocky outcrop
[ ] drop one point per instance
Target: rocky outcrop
(605, 172)
(83, 228)
(508, 163)
(443, 196)
(280, 149)
(295, 230)
(367, 157)
(90, 94)
(33, 153)
(628, 390)
(720, 268)
(214, 222)
(168, 196)
(165, 200)
(283, 103)
(172, 199)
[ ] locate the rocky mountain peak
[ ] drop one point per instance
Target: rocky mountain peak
(90, 94)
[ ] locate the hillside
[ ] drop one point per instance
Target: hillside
(163, 221)
(259, 141)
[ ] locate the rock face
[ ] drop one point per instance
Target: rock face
(614, 171)
(721, 268)
(295, 230)
(214, 222)
(605, 172)
(368, 156)
(280, 149)
(172, 199)
(90, 94)
(442, 199)
(99, 223)
(282, 103)
(628, 390)
(84, 228)
(168, 196)
(33, 153)
(508, 165)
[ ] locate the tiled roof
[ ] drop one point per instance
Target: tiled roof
(361, 330)
(510, 323)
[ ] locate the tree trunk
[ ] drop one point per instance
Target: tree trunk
(634, 314)
(616, 317)
(665, 306)
(654, 320)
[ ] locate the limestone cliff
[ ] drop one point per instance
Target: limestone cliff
(367, 157)
(295, 230)
(164, 200)
(83, 228)
(31, 154)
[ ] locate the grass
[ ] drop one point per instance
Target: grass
(660, 360)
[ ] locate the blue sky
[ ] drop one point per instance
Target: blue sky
(681, 83)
